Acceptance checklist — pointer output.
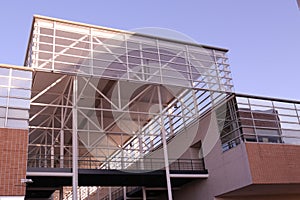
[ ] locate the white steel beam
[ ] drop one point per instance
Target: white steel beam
(189, 175)
(165, 147)
(74, 141)
(47, 88)
(62, 52)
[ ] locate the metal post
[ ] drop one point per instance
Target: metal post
(61, 193)
(53, 47)
(91, 51)
(52, 144)
(165, 147)
(74, 141)
(98, 195)
(144, 193)
(109, 193)
(80, 194)
(124, 193)
(140, 137)
(62, 134)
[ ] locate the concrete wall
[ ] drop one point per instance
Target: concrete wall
(227, 171)
(246, 166)
(263, 197)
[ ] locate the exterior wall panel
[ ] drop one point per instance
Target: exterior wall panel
(274, 163)
(13, 148)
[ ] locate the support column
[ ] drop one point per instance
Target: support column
(140, 136)
(144, 193)
(61, 193)
(109, 193)
(74, 140)
(124, 193)
(52, 156)
(165, 147)
(61, 147)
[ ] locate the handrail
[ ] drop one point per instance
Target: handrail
(103, 164)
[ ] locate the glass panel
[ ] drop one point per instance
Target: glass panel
(3, 91)
(289, 119)
(284, 105)
(262, 109)
(242, 100)
(291, 133)
(4, 71)
(21, 74)
(290, 126)
(4, 81)
(19, 103)
(272, 132)
(3, 102)
(261, 102)
(286, 112)
(2, 112)
(291, 140)
(17, 123)
(20, 93)
(244, 106)
(16, 113)
(291, 136)
(2, 121)
(21, 83)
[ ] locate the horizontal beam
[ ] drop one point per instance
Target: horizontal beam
(66, 174)
(189, 175)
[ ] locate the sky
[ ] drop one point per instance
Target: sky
(263, 36)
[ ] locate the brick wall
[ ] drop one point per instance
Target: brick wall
(13, 158)
(274, 163)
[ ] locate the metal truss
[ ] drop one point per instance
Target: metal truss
(116, 98)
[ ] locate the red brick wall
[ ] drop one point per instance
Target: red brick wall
(274, 163)
(13, 158)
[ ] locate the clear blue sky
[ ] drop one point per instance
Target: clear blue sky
(263, 36)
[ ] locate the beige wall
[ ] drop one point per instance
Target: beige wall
(263, 197)
(247, 165)
(227, 171)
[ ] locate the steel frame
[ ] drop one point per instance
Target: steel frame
(118, 127)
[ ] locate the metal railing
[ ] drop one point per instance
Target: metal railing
(260, 119)
(146, 164)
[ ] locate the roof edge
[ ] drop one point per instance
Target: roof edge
(124, 31)
(29, 40)
(16, 67)
(286, 100)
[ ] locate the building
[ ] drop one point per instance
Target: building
(99, 113)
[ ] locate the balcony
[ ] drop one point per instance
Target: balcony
(246, 118)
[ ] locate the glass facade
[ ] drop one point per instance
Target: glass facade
(129, 88)
(15, 93)
(260, 119)
(101, 52)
